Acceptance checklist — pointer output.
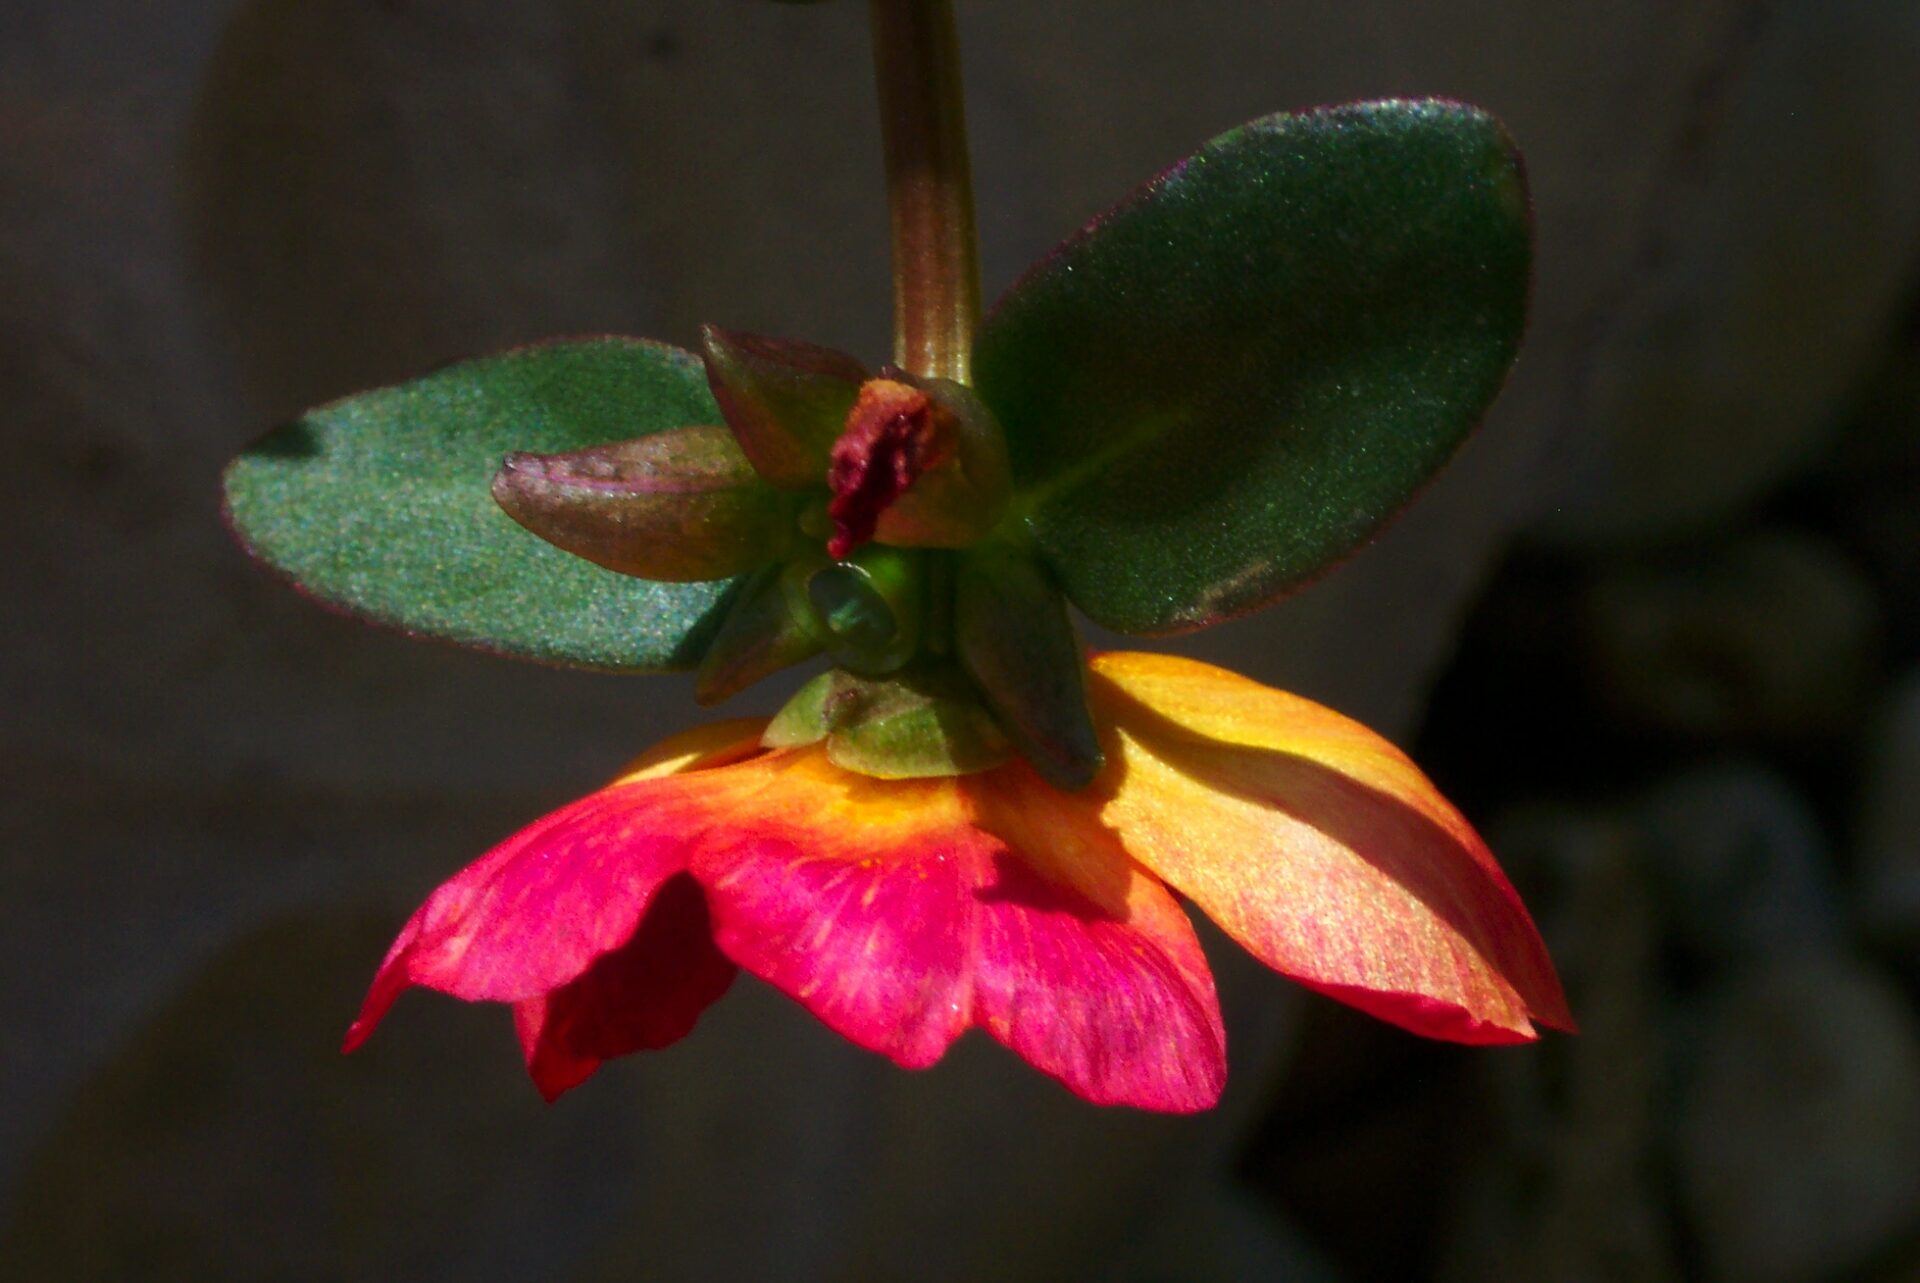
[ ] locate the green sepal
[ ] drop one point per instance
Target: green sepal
(768, 627)
(785, 400)
(681, 505)
(1012, 636)
(926, 721)
(1234, 378)
(378, 504)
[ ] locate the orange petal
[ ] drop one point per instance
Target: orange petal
(700, 749)
(902, 911)
(1088, 967)
(1320, 848)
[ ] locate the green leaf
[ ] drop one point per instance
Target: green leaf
(379, 504)
(785, 400)
(1013, 637)
(768, 627)
(925, 721)
(1234, 378)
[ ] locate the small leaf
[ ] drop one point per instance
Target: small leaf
(785, 400)
(681, 505)
(1234, 378)
(957, 501)
(922, 722)
(767, 628)
(379, 504)
(1013, 637)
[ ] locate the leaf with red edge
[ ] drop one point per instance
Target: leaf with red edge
(786, 400)
(1234, 378)
(378, 504)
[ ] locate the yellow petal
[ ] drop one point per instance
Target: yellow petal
(1319, 847)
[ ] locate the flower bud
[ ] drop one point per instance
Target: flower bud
(679, 506)
(785, 400)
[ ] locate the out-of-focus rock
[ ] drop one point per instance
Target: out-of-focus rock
(1564, 1190)
(1220, 1234)
(1886, 839)
(1764, 297)
(1773, 637)
(1799, 1128)
(229, 1095)
(1741, 864)
(1876, 474)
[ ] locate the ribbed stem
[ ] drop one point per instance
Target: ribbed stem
(936, 267)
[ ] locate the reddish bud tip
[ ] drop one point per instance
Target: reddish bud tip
(894, 434)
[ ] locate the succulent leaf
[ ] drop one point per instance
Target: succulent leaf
(1231, 380)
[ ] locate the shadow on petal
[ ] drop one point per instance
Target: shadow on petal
(1123, 1011)
(1346, 887)
(645, 995)
(1017, 885)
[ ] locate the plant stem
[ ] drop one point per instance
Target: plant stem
(936, 267)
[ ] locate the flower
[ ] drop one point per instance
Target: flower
(1196, 405)
(901, 912)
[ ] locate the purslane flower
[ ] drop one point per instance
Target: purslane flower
(903, 912)
(1192, 408)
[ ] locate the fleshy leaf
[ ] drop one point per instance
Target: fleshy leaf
(766, 629)
(1013, 637)
(785, 400)
(1234, 378)
(681, 505)
(916, 724)
(378, 504)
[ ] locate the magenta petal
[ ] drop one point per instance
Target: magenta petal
(532, 913)
(878, 950)
(1121, 1011)
(644, 995)
(901, 912)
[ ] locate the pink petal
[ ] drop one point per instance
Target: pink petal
(1087, 967)
(534, 912)
(850, 894)
(1320, 848)
(644, 995)
(901, 912)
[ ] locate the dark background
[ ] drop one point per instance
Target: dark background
(1657, 630)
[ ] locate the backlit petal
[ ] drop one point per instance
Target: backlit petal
(644, 995)
(1320, 848)
(852, 894)
(699, 749)
(1087, 967)
(533, 913)
(903, 911)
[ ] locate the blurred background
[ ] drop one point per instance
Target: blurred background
(1657, 630)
